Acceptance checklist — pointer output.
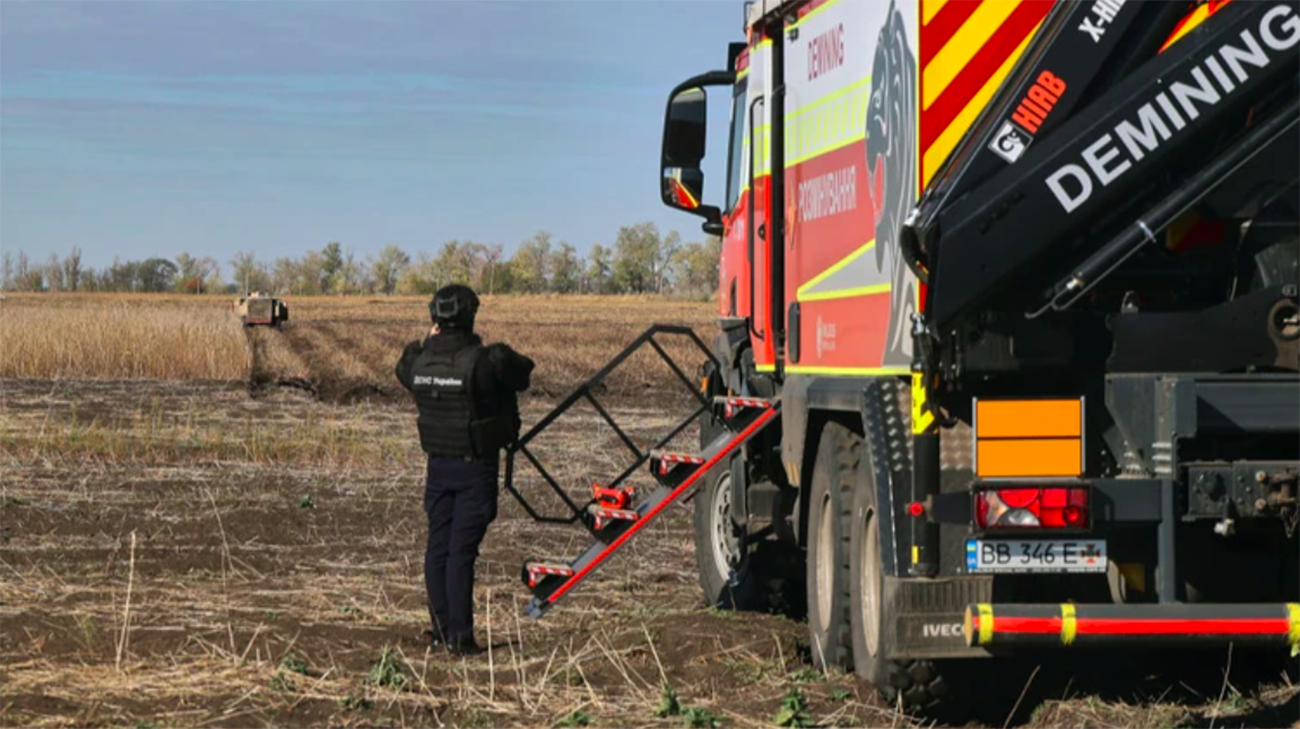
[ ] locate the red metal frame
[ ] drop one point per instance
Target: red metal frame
(686, 484)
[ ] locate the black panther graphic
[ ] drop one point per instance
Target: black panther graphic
(891, 168)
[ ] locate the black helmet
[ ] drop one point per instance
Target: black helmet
(454, 307)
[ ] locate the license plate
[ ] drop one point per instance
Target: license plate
(1004, 555)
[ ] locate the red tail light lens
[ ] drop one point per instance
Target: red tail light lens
(1042, 508)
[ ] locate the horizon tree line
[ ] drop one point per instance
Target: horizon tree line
(640, 261)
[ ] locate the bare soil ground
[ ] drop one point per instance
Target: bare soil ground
(233, 553)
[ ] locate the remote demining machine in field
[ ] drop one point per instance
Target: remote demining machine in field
(258, 309)
(1008, 317)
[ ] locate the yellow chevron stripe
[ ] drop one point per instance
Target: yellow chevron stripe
(846, 293)
(931, 8)
(945, 142)
(1190, 23)
(802, 290)
(922, 417)
(828, 123)
(962, 47)
(1293, 633)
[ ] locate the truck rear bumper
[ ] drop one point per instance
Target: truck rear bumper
(1020, 625)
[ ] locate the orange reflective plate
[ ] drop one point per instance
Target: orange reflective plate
(1028, 419)
(1029, 458)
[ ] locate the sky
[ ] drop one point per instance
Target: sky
(152, 127)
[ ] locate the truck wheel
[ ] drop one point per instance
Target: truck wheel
(830, 501)
(918, 682)
(768, 574)
(716, 544)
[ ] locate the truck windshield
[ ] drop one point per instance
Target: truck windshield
(736, 151)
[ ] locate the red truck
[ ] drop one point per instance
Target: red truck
(1009, 345)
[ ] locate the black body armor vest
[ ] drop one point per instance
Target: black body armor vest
(449, 421)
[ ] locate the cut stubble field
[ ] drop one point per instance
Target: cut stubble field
(207, 526)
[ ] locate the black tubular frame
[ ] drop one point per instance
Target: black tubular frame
(584, 392)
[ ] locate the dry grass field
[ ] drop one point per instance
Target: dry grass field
(205, 526)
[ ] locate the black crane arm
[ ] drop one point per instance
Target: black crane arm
(984, 228)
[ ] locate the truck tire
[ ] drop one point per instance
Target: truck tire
(769, 573)
(716, 541)
(917, 682)
(830, 503)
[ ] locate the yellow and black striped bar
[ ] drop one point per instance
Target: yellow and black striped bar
(990, 625)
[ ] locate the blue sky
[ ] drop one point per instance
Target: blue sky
(151, 127)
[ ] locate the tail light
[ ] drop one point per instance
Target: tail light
(1032, 507)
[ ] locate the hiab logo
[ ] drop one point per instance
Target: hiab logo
(1009, 143)
(1013, 139)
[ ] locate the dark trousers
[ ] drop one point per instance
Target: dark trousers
(460, 499)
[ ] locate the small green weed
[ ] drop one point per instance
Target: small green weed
(577, 717)
(841, 695)
(281, 682)
(807, 674)
(1237, 702)
(669, 705)
(295, 663)
(272, 614)
(306, 502)
(714, 611)
(389, 671)
(793, 711)
(698, 717)
(352, 702)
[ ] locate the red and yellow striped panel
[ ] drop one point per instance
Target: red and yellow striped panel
(967, 48)
(1198, 15)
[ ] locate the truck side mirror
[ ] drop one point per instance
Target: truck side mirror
(685, 129)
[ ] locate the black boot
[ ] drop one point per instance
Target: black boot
(465, 646)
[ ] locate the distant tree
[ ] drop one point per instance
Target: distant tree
(347, 280)
(565, 268)
(54, 273)
(249, 275)
(695, 267)
(421, 277)
(636, 258)
(7, 270)
(156, 275)
(665, 253)
(331, 264)
(283, 273)
(193, 274)
(33, 280)
(600, 270)
(309, 274)
(529, 263)
(388, 268)
(72, 270)
(455, 263)
(487, 278)
(504, 277)
(20, 270)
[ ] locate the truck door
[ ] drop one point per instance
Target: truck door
(758, 218)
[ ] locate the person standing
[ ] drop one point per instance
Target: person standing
(466, 395)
